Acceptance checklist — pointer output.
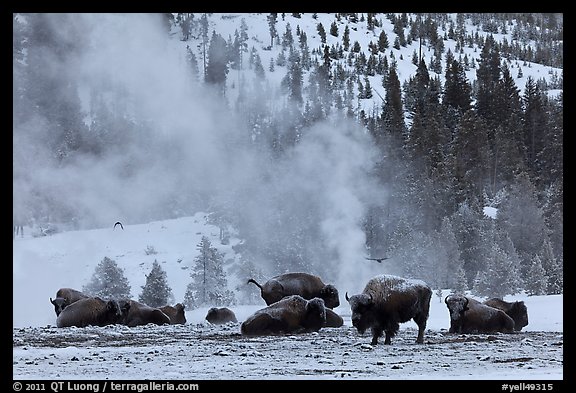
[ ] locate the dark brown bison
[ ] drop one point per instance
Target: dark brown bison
(292, 314)
(220, 315)
(142, 314)
(470, 316)
(175, 313)
(388, 301)
(333, 319)
(306, 285)
(516, 310)
(65, 297)
(91, 311)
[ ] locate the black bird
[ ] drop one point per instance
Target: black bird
(119, 223)
(379, 260)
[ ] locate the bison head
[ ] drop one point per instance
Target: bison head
(362, 314)
(330, 296)
(457, 305)
(59, 304)
(115, 312)
(315, 314)
(212, 315)
(519, 313)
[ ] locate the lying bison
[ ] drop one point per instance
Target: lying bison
(91, 311)
(332, 319)
(65, 297)
(388, 301)
(470, 316)
(142, 314)
(516, 310)
(306, 285)
(175, 313)
(292, 314)
(220, 315)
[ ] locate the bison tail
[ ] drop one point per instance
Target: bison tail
(254, 282)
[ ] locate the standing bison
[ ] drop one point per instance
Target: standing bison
(388, 301)
(220, 315)
(65, 297)
(516, 310)
(292, 314)
(470, 316)
(91, 311)
(306, 285)
(175, 313)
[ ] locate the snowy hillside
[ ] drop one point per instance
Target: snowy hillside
(258, 32)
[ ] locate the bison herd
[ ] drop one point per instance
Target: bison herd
(302, 302)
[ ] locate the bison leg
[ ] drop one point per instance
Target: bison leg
(421, 322)
(376, 333)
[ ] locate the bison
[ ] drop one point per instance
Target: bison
(306, 285)
(292, 314)
(91, 311)
(142, 314)
(65, 297)
(219, 316)
(470, 316)
(175, 313)
(332, 319)
(388, 301)
(516, 310)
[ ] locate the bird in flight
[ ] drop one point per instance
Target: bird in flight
(379, 260)
(118, 223)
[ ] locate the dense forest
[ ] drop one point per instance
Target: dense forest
(311, 137)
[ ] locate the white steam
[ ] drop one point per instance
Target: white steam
(199, 153)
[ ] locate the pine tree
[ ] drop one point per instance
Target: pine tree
(208, 278)
(321, 32)
(287, 37)
(383, 42)
(334, 29)
(108, 281)
(522, 217)
(538, 279)
(193, 63)
(272, 19)
(259, 68)
(156, 292)
(346, 38)
(552, 269)
(217, 67)
(497, 279)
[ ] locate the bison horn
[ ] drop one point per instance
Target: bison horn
(52, 301)
(446, 299)
(346, 296)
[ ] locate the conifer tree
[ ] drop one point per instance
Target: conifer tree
(346, 38)
(108, 281)
(334, 29)
(272, 19)
(209, 285)
(538, 279)
(217, 67)
(321, 32)
(553, 270)
(156, 292)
